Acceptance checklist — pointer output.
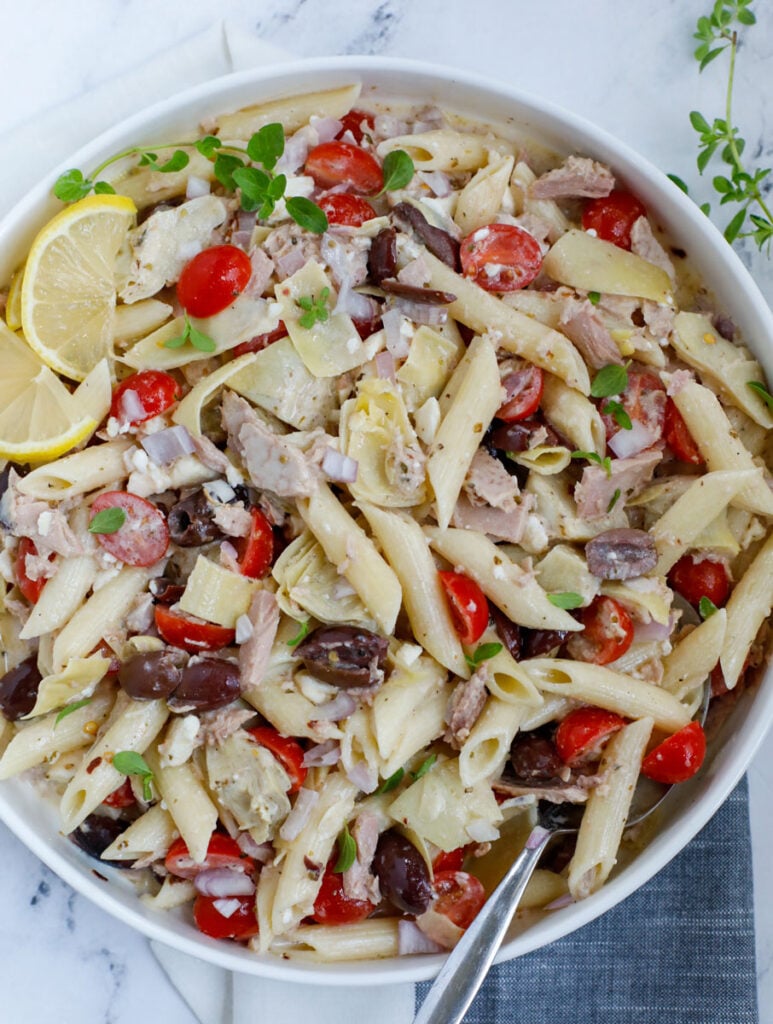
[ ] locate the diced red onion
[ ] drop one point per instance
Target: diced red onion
(197, 187)
(296, 150)
(396, 342)
(626, 443)
(348, 136)
(438, 182)
(241, 239)
(290, 261)
(131, 406)
(363, 777)
(245, 220)
(340, 707)
(327, 128)
(299, 815)
(422, 312)
(385, 366)
(227, 908)
(360, 307)
(323, 754)
(563, 901)
(167, 445)
(536, 837)
(411, 939)
(482, 831)
(244, 629)
(388, 126)
(223, 882)
(261, 852)
(339, 467)
(415, 273)
(652, 631)
(229, 556)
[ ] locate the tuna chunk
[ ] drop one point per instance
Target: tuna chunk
(496, 522)
(644, 244)
(583, 326)
(596, 490)
(46, 525)
(271, 462)
(290, 248)
(254, 653)
(489, 483)
(466, 703)
(359, 881)
(578, 177)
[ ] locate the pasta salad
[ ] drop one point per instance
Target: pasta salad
(380, 455)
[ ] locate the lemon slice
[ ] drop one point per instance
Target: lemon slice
(39, 418)
(68, 291)
(13, 303)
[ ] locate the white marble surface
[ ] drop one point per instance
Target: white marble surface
(626, 66)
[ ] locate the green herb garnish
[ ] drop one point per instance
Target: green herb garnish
(762, 391)
(706, 607)
(347, 851)
(129, 762)
(594, 298)
(566, 600)
(398, 170)
(424, 767)
(193, 335)
(482, 653)
(744, 186)
(315, 310)
(303, 632)
(605, 463)
(234, 167)
(392, 782)
(613, 500)
(108, 520)
(610, 380)
(68, 710)
(617, 411)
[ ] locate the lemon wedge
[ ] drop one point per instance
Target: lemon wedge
(13, 303)
(68, 290)
(39, 418)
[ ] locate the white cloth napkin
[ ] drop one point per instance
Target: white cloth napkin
(215, 995)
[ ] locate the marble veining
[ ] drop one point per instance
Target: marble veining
(628, 67)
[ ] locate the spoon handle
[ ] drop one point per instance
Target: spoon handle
(467, 965)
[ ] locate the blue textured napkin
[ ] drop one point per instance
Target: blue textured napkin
(679, 951)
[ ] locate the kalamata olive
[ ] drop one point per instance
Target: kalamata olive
(621, 554)
(206, 684)
(344, 656)
(508, 631)
(431, 296)
(536, 761)
(438, 241)
(517, 437)
(190, 522)
(151, 676)
(402, 873)
(382, 259)
(537, 642)
(96, 833)
(19, 689)
(166, 591)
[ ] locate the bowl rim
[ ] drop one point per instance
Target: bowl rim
(682, 214)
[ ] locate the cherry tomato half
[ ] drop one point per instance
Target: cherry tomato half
(678, 436)
(469, 608)
(189, 634)
(256, 551)
(353, 122)
(644, 399)
(451, 861)
(222, 852)
(501, 257)
(333, 906)
(343, 208)
(524, 389)
(154, 390)
(459, 897)
(677, 758)
(287, 751)
(607, 635)
(211, 281)
(261, 341)
(144, 536)
(696, 579)
(341, 163)
(31, 589)
(613, 216)
(581, 734)
(121, 797)
(209, 913)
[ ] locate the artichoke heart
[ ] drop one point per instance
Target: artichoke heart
(248, 781)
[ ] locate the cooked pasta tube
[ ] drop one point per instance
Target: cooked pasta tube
(187, 801)
(748, 607)
(487, 747)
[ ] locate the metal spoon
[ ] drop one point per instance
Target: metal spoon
(468, 964)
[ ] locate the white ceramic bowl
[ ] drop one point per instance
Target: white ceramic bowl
(691, 805)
